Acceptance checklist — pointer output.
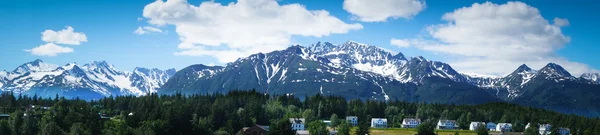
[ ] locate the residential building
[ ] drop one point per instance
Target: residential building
(564, 131)
(410, 122)
(378, 122)
(491, 126)
(475, 125)
(352, 120)
(447, 124)
(302, 132)
(544, 129)
(327, 122)
(504, 127)
(256, 130)
(297, 123)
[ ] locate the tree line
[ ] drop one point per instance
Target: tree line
(228, 113)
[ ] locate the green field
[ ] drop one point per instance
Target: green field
(411, 131)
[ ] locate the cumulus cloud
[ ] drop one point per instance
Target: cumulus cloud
(400, 43)
(560, 22)
(381, 10)
(237, 29)
(495, 39)
(49, 49)
(147, 30)
(64, 36)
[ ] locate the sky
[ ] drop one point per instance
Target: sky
(480, 37)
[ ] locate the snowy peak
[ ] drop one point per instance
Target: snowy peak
(149, 80)
(321, 47)
(34, 66)
(595, 77)
(554, 70)
(522, 68)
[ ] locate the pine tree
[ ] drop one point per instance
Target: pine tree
(282, 127)
(426, 128)
(52, 129)
(335, 121)
(344, 128)
(79, 129)
(482, 130)
(317, 128)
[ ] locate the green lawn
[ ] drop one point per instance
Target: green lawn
(411, 131)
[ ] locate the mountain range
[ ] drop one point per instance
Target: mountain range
(88, 81)
(352, 70)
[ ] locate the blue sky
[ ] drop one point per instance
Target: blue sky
(109, 26)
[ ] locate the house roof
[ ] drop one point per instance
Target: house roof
(411, 119)
(453, 121)
(477, 123)
(297, 120)
(302, 132)
(376, 119)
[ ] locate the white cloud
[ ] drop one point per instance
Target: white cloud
(495, 39)
(49, 49)
(233, 30)
(560, 22)
(147, 30)
(400, 43)
(381, 10)
(64, 36)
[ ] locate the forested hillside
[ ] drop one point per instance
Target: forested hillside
(229, 113)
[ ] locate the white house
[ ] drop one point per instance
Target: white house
(353, 120)
(504, 127)
(410, 123)
(544, 129)
(475, 125)
(564, 131)
(378, 123)
(447, 124)
(297, 123)
(491, 126)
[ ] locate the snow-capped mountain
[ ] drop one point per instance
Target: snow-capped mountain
(352, 70)
(88, 81)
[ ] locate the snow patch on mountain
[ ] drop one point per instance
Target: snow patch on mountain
(594, 77)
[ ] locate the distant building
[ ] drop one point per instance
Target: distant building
(302, 132)
(564, 131)
(4, 115)
(447, 124)
(353, 120)
(504, 127)
(297, 123)
(378, 123)
(327, 122)
(475, 125)
(544, 129)
(491, 126)
(410, 122)
(256, 130)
